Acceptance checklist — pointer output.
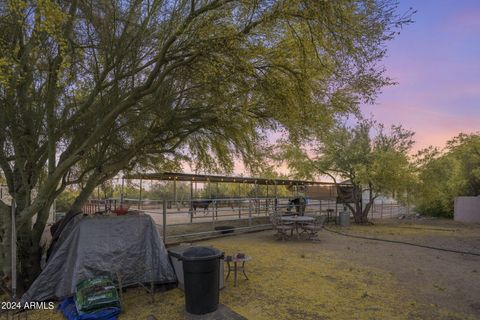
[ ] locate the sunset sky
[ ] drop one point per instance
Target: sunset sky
(436, 62)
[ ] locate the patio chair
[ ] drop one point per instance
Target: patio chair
(281, 227)
(312, 229)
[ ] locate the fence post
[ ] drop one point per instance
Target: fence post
(275, 190)
(239, 202)
(175, 191)
(266, 202)
(250, 212)
(213, 213)
(164, 221)
(256, 203)
(381, 210)
(239, 208)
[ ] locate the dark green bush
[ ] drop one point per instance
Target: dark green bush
(435, 209)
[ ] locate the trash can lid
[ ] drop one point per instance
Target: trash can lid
(177, 250)
(202, 253)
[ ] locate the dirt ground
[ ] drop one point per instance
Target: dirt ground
(441, 280)
(340, 277)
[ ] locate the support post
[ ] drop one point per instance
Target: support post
(239, 202)
(266, 202)
(213, 213)
(14, 253)
(381, 210)
(214, 204)
(209, 189)
(250, 212)
(249, 209)
(97, 205)
(175, 191)
(255, 206)
(191, 201)
(164, 226)
(121, 192)
(140, 195)
(210, 197)
(216, 201)
(276, 198)
(336, 210)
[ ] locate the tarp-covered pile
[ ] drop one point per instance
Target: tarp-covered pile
(128, 247)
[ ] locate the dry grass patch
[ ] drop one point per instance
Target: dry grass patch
(295, 280)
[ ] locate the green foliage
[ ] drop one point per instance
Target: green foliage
(444, 176)
(65, 199)
(95, 89)
(369, 158)
(465, 148)
(165, 190)
(88, 89)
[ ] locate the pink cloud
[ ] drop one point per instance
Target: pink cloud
(431, 126)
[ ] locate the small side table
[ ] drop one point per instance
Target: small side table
(236, 260)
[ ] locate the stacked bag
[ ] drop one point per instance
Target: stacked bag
(94, 299)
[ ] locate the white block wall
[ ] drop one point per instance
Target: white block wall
(467, 209)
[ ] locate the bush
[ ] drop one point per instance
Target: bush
(435, 209)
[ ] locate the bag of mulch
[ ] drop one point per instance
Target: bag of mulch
(95, 294)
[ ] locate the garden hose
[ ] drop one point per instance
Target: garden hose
(403, 242)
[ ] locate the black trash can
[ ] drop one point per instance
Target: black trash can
(201, 267)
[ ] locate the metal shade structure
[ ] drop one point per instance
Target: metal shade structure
(174, 176)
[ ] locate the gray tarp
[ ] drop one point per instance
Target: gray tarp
(129, 245)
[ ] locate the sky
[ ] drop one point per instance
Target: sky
(436, 62)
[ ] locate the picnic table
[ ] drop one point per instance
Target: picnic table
(298, 220)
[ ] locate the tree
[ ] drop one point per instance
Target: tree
(372, 160)
(444, 175)
(465, 148)
(91, 88)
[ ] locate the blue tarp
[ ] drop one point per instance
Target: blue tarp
(69, 310)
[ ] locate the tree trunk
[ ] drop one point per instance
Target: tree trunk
(26, 263)
(34, 250)
(359, 214)
(28, 237)
(5, 240)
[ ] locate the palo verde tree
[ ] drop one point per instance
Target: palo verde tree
(89, 88)
(372, 160)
